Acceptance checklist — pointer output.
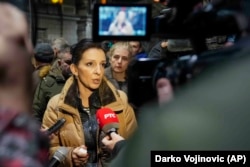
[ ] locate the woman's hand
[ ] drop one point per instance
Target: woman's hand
(80, 156)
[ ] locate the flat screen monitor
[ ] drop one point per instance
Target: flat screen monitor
(121, 22)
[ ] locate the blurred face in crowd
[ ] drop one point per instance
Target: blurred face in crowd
(89, 71)
(64, 63)
(59, 45)
(15, 54)
(135, 45)
(119, 60)
(15, 76)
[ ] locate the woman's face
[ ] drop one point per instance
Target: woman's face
(119, 60)
(90, 69)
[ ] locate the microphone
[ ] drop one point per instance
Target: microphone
(107, 120)
(58, 157)
(56, 126)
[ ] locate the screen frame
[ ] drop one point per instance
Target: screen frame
(96, 17)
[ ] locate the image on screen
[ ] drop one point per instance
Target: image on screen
(122, 21)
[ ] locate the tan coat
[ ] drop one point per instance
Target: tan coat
(71, 134)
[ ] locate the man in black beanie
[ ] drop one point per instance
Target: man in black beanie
(43, 57)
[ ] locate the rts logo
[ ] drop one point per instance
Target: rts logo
(110, 115)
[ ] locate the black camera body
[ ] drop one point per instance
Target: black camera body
(144, 73)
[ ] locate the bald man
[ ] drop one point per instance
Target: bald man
(21, 142)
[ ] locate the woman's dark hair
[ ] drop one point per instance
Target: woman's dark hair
(78, 49)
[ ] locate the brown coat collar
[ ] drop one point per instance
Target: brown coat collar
(109, 96)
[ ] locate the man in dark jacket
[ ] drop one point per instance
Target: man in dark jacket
(173, 46)
(137, 49)
(43, 57)
(52, 84)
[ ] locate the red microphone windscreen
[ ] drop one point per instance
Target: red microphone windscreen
(107, 119)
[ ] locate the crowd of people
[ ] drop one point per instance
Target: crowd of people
(41, 85)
